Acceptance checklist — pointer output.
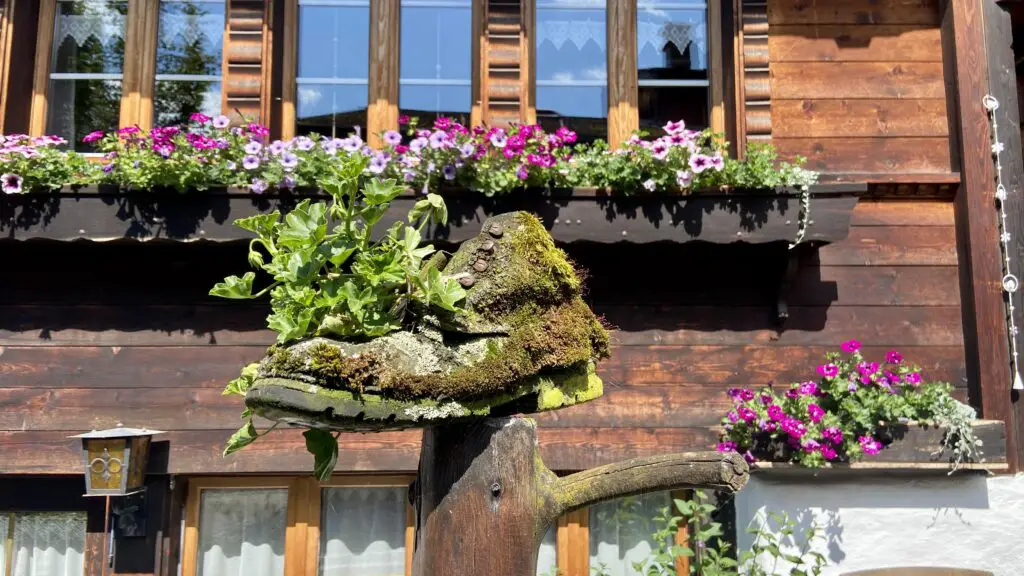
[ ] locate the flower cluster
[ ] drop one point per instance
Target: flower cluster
(839, 417)
(28, 163)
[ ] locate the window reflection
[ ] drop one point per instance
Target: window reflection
(435, 59)
(188, 60)
(672, 55)
(333, 66)
(572, 66)
(86, 72)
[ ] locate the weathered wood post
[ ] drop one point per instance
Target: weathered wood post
(526, 342)
(484, 498)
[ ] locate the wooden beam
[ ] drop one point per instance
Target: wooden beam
(527, 62)
(382, 113)
(623, 91)
(289, 67)
(6, 44)
(985, 342)
(149, 33)
(478, 67)
(132, 63)
(717, 72)
(1003, 86)
(41, 77)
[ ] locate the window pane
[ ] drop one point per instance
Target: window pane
(333, 66)
(78, 107)
(672, 54)
(572, 67)
(620, 532)
(435, 59)
(48, 544)
(85, 76)
(547, 562)
(362, 532)
(188, 59)
(241, 532)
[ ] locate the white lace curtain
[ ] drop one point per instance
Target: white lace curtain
(620, 532)
(46, 544)
(655, 34)
(547, 562)
(241, 532)
(362, 532)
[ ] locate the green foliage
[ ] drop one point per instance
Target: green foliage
(711, 554)
(324, 447)
(38, 165)
(326, 275)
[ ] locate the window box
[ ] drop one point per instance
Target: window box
(756, 217)
(913, 451)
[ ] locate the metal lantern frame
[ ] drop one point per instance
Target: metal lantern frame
(123, 459)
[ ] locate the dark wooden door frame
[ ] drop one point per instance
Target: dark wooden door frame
(976, 44)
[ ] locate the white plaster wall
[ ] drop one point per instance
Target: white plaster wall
(958, 521)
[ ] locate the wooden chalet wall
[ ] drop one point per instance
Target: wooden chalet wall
(98, 334)
(857, 86)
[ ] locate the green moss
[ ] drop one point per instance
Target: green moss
(573, 390)
(327, 365)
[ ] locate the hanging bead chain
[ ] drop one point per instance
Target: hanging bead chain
(1010, 282)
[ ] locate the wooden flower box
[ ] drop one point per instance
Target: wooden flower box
(756, 217)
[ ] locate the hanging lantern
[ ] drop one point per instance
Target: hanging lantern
(115, 460)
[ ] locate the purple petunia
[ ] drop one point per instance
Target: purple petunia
(699, 163)
(684, 178)
(522, 173)
(277, 147)
(674, 127)
(418, 144)
(498, 139)
(810, 445)
(727, 446)
(717, 162)
(659, 150)
(833, 435)
(378, 163)
(467, 149)
(253, 148)
(869, 445)
(448, 172)
(93, 136)
(12, 183)
(289, 161)
(351, 144)
(287, 183)
(258, 186)
(221, 122)
(304, 143)
(392, 138)
(439, 139)
(250, 162)
(850, 346)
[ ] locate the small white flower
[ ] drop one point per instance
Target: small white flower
(997, 148)
(650, 185)
(1004, 237)
(1000, 193)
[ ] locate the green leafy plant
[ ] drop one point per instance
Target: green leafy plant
(30, 164)
(849, 412)
(775, 535)
(327, 274)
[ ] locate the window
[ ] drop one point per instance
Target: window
(333, 66)
(362, 531)
(672, 56)
(572, 66)
(620, 532)
(86, 71)
(547, 561)
(435, 59)
(42, 544)
(241, 532)
(188, 60)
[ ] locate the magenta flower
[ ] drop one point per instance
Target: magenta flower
(659, 150)
(727, 446)
(403, 119)
(442, 123)
(732, 416)
(913, 378)
(828, 370)
(392, 138)
(699, 163)
(850, 346)
(93, 136)
(808, 389)
(793, 427)
(815, 412)
(674, 127)
(258, 130)
(749, 458)
(828, 452)
(717, 162)
(810, 445)
(792, 393)
(221, 122)
(522, 173)
(833, 435)
(566, 135)
(775, 412)
(867, 368)
(746, 395)
(746, 414)
(769, 426)
(893, 357)
(12, 183)
(199, 118)
(128, 131)
(766, 398)
(869, 445)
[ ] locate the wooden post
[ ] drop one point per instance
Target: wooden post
(978, 250)
(484, 498)
(1003, 86)
(382, 113)
(623, 95)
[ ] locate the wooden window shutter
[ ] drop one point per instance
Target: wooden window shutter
(247, 60)
(755, 114)
(503, 30)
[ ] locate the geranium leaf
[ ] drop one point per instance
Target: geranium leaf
(324, 448)
(235, 287)
(246, 435)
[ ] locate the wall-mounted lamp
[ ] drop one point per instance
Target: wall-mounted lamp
(115, 460)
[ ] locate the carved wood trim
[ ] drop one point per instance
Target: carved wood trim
(755, 77)
(246, 61)
(504, 61)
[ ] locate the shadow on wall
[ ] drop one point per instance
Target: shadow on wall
(873, 515)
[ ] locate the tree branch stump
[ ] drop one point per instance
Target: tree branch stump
(484, 498)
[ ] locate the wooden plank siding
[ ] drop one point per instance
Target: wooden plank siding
(858, 86)
(144, 345)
